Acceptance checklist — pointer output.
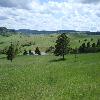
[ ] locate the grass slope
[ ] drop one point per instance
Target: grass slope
(44, 41)
(45, 78)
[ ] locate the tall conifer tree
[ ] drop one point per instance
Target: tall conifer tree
(62, 45)
(11, 52)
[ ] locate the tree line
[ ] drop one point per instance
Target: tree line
(11, 52)
(90, 48)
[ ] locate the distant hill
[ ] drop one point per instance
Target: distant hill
(6, 32)
(28, 31)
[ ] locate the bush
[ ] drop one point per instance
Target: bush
(37, 51)
(30, 52)
(25, 52)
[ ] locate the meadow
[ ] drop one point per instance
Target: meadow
(44, 41)
(47, 77)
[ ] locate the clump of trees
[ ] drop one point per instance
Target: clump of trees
(62, 45)
(90, 48)
(37, 51)
(28, 52)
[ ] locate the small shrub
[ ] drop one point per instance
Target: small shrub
(37, 51)
(25, 52)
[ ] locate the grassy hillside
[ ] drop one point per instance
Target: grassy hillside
(46, 78)
(43, 41)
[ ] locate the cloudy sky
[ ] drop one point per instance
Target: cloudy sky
(50, 14)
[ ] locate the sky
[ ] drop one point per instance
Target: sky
(82, 15)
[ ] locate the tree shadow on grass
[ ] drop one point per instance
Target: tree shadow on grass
(57, 60)
(2, 57)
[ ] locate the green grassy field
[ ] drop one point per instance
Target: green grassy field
(46, 78)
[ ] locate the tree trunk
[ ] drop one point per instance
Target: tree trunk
(11, 60)
(63, 57)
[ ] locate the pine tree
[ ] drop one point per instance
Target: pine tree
(88, 48)
(37, 51)
(98, 43)
(25, 52)
(62, 45)
(30, 52)
(93, 45)
(88, 45)
(82, 48)
(11, 52)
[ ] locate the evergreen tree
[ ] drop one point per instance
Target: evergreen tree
(88, 45)
(25, 52)
(30, 52)
(79, 41)
(91, 39)
(93, 45)
(88, 48)
(62, 45)
(11, 52)
(98, 43)
(85, 40)
(37, 51)
(82, 48)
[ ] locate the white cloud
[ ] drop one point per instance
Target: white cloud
(52, 16)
